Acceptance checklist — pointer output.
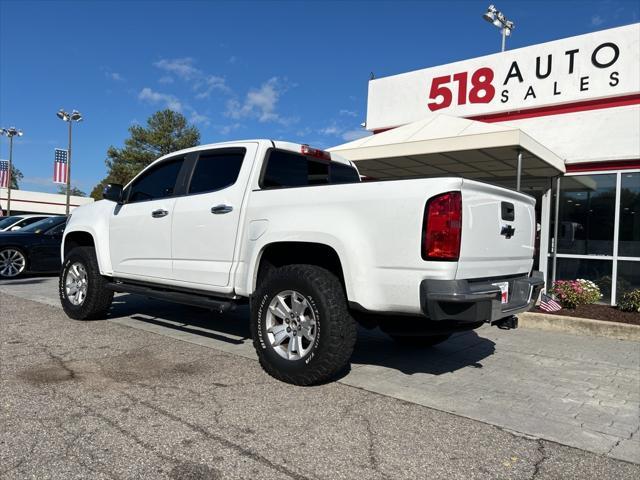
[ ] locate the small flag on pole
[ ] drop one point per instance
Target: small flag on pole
(60, 166)
(4, 174)
(548, 304)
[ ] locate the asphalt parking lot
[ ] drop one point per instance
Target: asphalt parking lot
(167, 391)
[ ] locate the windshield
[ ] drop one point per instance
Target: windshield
(43, 225)
(8, 221)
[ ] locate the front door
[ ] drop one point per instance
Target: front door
(205, 221)
(140, 229)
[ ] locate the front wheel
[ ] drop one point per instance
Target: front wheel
(82, 289)
(301, 328)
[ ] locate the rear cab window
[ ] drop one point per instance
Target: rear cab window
(284, 169)
(216, 170)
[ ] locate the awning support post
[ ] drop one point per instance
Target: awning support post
(519, 171)
(556, 216)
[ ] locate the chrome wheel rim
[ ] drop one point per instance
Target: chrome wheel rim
(76, 284)
(291, 325)
(12, 263)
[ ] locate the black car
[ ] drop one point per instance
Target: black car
(35, 248)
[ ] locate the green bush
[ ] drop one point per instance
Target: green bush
(571, 293)
(630, 301)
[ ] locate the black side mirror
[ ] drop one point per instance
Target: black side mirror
(113, 192)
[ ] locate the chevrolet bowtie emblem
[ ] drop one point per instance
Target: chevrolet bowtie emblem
(507, 231)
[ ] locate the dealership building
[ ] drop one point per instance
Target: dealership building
(559, 121)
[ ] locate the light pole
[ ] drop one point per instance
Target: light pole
(74, 116)
(10, 132)
(497, 18)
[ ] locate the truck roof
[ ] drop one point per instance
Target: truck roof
(279, 144)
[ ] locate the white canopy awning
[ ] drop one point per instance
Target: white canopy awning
(441, 144)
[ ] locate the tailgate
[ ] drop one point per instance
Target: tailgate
(498, 232)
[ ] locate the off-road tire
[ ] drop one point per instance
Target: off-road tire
(336, 330)
(98, 299)
(420, 340)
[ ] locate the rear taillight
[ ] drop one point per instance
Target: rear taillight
(442, 227)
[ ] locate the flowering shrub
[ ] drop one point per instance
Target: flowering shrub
(630, 301)
(571, 293)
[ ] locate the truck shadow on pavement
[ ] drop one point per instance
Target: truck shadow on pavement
(373, 348)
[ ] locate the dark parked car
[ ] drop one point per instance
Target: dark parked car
(35, 248)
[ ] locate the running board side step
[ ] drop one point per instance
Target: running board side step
(194, 299)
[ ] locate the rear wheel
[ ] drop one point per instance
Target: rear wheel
(82, 289)
(13, 262)
(301, 328)
(420, 341)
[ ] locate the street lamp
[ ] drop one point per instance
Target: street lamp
(74, 116)
(10, 132)
(497, 18)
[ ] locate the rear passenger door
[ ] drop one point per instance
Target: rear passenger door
(205, 220)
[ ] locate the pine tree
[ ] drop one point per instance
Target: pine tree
(166, 132)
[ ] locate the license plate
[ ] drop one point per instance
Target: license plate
(504, 291)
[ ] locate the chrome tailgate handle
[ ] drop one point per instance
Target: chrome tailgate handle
(159, 213)
(220, 209)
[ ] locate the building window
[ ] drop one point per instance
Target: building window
(598, 271)
(629, 236)
(587, 213)
(598, 239)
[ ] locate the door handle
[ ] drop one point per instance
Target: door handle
(220, 209)
(159, 213)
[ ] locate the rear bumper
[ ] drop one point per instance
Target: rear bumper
(478, 301)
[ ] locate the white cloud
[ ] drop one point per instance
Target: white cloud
(597, 20)
(170, 101)
(203, 84)
(350, 135)
(348, 113)
(330, 130)
(261, 103)
(196, 117)
(115, 76)
(209, 84)
(233, 59)
(182, 67)
(227, 129)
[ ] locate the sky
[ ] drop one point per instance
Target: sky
(289, 70)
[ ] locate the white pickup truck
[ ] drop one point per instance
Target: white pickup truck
(293, 231)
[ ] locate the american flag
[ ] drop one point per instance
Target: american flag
(4, 173)
(548, 304)
(60, 166)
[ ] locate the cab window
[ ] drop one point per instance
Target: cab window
(157, 182)
(288, 169)
(216, 169)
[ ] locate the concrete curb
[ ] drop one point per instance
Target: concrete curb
(579, 326)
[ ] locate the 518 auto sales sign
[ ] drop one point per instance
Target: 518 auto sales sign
(587, 67)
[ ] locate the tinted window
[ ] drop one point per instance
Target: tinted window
(57, 230)
(44, 225)
(158, 182)
(28, 221)
(341, 173)
(285, 169)
(216, 170)
(8, 221)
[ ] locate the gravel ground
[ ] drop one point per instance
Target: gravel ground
(100, 400)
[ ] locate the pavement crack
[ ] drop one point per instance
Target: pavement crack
(543, 456)
(222, 440)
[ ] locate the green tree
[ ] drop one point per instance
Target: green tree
(166, 132)
(16, 177)
(62, 189)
